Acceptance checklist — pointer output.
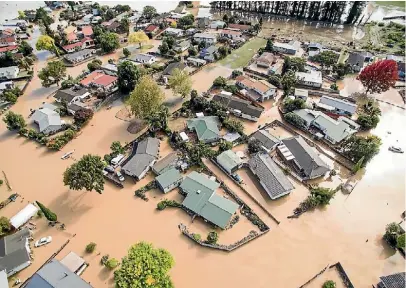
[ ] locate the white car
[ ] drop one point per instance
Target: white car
(43, 241)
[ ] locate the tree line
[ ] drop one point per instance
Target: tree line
(327, 11)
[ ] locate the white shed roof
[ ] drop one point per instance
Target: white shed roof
(23, 216)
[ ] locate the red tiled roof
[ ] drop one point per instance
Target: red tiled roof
(89, 78)
(262, 86)
(74, 45)
(239, 26)
(8, 48)
(71, 36)
(104, 80)
(151, 28)
(8, 39)
(231, 32)
(87, 30)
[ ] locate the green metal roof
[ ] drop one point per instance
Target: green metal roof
(169, 177)
(206, 127)
(228, 159)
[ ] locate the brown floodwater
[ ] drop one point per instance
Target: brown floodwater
(116, 219)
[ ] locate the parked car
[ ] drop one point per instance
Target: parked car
(116, 160)
(120, 176)
(43, 241)
(237, 178)
(109, 169)
(105, 172)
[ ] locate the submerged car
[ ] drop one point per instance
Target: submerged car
(395, 149)
(43, 241)
(237, 178)
(120, 176)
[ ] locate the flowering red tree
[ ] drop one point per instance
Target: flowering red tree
(379, 76)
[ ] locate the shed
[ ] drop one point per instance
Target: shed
(229, 161)
(169, 180)
(73, 262)
(168, 162)
(23, 216)
(184, 137)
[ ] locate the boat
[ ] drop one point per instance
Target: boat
(395, 149)
(67, 155)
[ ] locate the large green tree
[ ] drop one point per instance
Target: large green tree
(288, 82)
(148, 12)
(25, 48)
(180, 82)
(145, 266)
(45, 42)
(54, 72)
(109, 42)
(14, 121)
(146, 98)
(326, 58)
(291, 105)
(51, 216)
(356, 147)
(128, 76)
(87, 174)
(296, 64)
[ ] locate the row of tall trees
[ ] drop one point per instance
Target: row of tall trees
(329, 11)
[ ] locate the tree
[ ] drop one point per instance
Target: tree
(90, 247)
(198, 151)
(145, 266)
(223, 51)
(212, 237)
(192, 51)
(296, 64)
(170, 41)
(225, 145)
(21, 15)
(54, 72)
(368, 122)
(180, 82)
(82, 116)
(51, 216)
(94, 65)
(356, 147)
(117, 148)
(236, 73)
(87, 173)
(10, 97)
(5, 226)
(334, 87)
(294, 119)
(358, 165)
(288, 82)
(220, 82)
(138, 37)
(70, 82)
(25, 48)
(109, 42)
(269, 45)
(125, 25)
(275, 80)
(128, 76)
(112, 263)
(225, 18)
(379, 76)
(47, 43)
(329, 284)
(322, 195)
(291, 105)
(163, 48)
(126, 52)
(234, 126)
(159, 119)
(14, 121)
(341, 69)
(392, 231)
(186, 21)
(400, 242)
(146, 98)
(326, 58)
(254, 146)
(148, 12)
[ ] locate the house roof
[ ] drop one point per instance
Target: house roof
(393, 281)
(168, 162)
(171, 66)
(151, 28)
(68, 94)
(71, 36)
(3, 279)
(239, 26)
(87, 30)
(204, 35)
(73, 45)
(110, 67)
(356, 59)
(202, 200)
(301, 92)
(339, 104)
(8, 48)
(173, 30)
(239, 104)
(287, 46)
(183, 44)
(141, 57)
(13, 251)
(315, 45)
(267, 140)
(229, 160)
(76, 55)
(336, 130)
(312, 76)
(206, 127)
(143, 154)
(55, 275)
(267, 58)
(90, 77)
(168, 177)
(306, 158)
(271, 177)
(260, 85)
(104, 80)
(45, 118)
(73, 261)
(231, 32)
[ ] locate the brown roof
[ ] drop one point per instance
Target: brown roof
(71, 36)
(151, 28)
(104, 80)
(260, 85)
(231, 32)
(89, 78)
(239, 26)
(87, 30)
(267, 57)
(8, 48)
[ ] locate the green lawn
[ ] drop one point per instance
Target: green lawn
(391, 3)
(240, 57)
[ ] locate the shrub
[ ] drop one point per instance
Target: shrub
(5, 226)
(112, 263)
(197, 237)
(295, 120)
(40, 214)
(90, 247)
(1, 182)
(104, 259)
(212, 237)
(392, 231)
(234, 126)
(400, 243)
(220, 82)
(329, 284)
(165, 203)
(254, 146)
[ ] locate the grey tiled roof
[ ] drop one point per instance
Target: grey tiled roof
(239, 104)
(393, 281)
(168, 70)
(13, 251)
(339, 104)
(271, 177)
(166, 163)
(267, 140)
(68, 94)
(81, 53)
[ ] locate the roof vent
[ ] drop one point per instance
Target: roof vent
(198, 191)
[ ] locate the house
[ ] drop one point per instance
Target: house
(99, 79)
(47, 119)
(82, 44)
(7, 39)
(334, 131)
(196, 61)
(205, 37)
(339, 106)
(9, 72)
(70, 95)
(134, 18)
(257, 90)
(209, 53)
(267, 140)
(15, 22)
(169, 69)
(110, 69)
(287, 48)
(202, 199)
(112, 26)
(302, 158)
(301, 94)
(15, 252)
(87, 31)
(80, 56)
(56, 275)
(312, 79)
(396, 280)
(191, 31)
(270, 176)
(143, 58)
(314, 49)
(143, 156)
(231, 34)
(168, 162)
(96, 19)
(6, 85)
(74, 263)
(87, 18)
(72, 37)
(76, 106)
(206, 128)
(229, 161)
(358, 60)
(202, 23)
(266, 60)
(182, 46)
(24, 215)
(215, 24)
(174, 32)
(239, 107)
(152, 29)
(169, 180)
(239, 27)
(13, 49)
(3, 279)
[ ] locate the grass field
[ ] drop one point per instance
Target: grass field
(391, 3)
(240, 57)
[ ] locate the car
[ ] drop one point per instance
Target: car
(237, 178)
(109, 169)
(120, 176)
(43, 241)
(105, 172)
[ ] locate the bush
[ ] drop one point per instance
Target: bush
(197, 237)
(112, 263)
(295, 120)
(254, 146)
(90, 247)
(165, 203)
(400, 243)
(329, 284)
(1, 182)
(234, 126)
(40, 214)
(392, 231)
(212, 237)
(220, 82)
(104, 259)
